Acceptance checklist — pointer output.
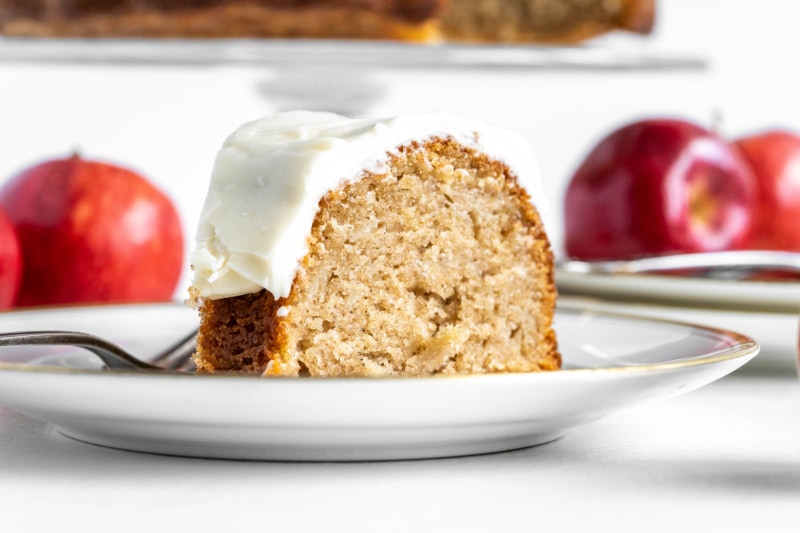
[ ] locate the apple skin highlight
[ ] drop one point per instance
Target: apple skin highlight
(10, 263)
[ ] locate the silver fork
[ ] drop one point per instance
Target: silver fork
(175, 358)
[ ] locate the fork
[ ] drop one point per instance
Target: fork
(736, 264)
(175, 358)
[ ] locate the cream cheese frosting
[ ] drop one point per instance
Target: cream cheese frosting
(270, 175)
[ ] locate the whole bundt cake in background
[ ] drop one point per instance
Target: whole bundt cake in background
(330, 246)
(509, 21)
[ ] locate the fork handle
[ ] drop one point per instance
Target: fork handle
(113, 356)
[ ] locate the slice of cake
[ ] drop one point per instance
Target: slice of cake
(330, 246)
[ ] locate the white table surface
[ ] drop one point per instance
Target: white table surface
(725, 457)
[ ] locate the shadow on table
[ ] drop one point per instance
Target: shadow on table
(583, 456)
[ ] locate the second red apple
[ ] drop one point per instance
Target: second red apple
(774, 157)
(656, 187)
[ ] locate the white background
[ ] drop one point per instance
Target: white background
(168, 120)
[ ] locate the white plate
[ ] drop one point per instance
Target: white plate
(776, 333)
(767, 311)
(611, 362)
(770, 296)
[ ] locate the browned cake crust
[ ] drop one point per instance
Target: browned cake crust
(544, 21)
(441, 265)
(520, 21)
(353, 19)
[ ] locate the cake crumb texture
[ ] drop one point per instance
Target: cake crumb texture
(236, 334)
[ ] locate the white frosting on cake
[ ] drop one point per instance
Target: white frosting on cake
(270, 175)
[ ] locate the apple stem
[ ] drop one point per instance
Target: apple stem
(716, 121)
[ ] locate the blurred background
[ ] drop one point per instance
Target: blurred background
(164, 108)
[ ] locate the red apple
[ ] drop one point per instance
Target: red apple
(656, 187)
(10, 263)
(774, 157)
(93, 232)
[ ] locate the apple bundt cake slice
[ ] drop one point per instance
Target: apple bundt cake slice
(429, 260)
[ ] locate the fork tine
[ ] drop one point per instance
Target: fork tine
(182, 357)
(186, 366)
(177, 355)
